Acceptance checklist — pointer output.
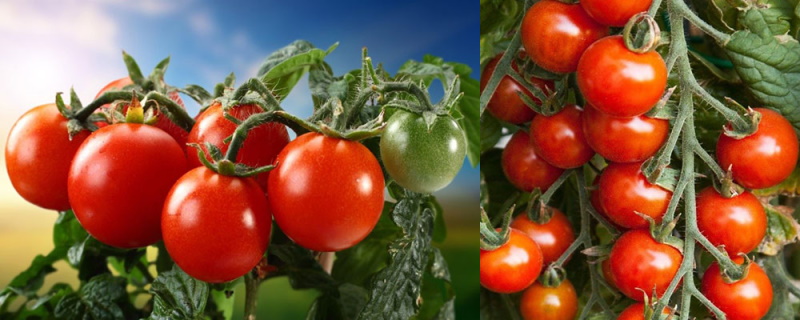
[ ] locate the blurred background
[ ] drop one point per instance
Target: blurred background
(51, 46)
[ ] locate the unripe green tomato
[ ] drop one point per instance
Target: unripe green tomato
(419, 159)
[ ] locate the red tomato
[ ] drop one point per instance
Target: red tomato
(559, 139)
(738, 223)
(621, 82)
(543, 303)
(512, 267)
(506, 104)
(614, 13)
(524, 168)
(624, 190)
(764, 158)
(553, 237)
(594, 199)
(259, 149)
(118, 182)
(746, 299)
(38, 154)
(605, 267)
(556, 34)
(624, 139)
(216, 227)
(636, 312)
(326, 194)
(163, 122)
(637, 261)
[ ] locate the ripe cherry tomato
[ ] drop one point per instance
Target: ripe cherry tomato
(605, 267)
(594, 199)
(738, 223)
(556, 34)
(506, 104)
(637, 261)
(624, 190)
(543, 303)
(38, 154)
(746, 299)
(559, 139)
(764, 158)
(553, 237)
(624, 139)
(262, 145)
(618, 81)
(118, 182)
(420, 159)
(524, 168)
(636, 312)
(614, 13)
(326, 194)
(163, 122)
(216, 227)
(512, 267)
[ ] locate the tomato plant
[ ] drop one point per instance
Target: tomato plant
(216, 227)
(694, 122)
(556, 34)
(513, 266)
(559, 138)
(262, 145)
(618, 81)
(506, 104)
(421, 157)
(128, 183)
(35, 151)
(546, 303)
(153, 161)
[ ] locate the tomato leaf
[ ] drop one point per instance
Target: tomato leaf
(176, 295)
(95, 300)
(324, 85)
(343, 303)
(395, 290)
(768, 61)
(282, 69)
(437, 292)
(782, 229)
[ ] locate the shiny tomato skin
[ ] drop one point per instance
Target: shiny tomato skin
(542, 303)
(739, 223)
(326, 194)
(512, 267)
(615, 13)
(605, 268)
(506, 104)
(524, 168)
(764, 158)
(624, 139)
(118, 182)
(38, 154)
(556, 34)
(746, 299)
(559, 138)
(624, 190)
(261, 147)
(638, 261)
(553, 237)
(163, 122)
(636, 312)
(216, 228)
(618, 81)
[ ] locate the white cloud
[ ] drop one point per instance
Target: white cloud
(202, 23)
(150, 7)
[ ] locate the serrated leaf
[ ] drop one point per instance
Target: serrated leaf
(439, 225)
(774, 18)
(300, 265)
(282, 69)
(438, 297)
(176, 295)
(395, 291)
(95, 300)
(341, 304)
(769, 65)
(782, 229)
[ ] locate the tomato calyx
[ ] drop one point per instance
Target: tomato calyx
(491, 238)
(665, 108)
(726, 186)
(643, 40)
(553, 276)
(747, 126)
(740, 272)
(662, 233)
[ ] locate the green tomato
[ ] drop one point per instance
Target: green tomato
(420, 159)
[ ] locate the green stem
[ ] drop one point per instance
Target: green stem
(503, 67)
(251, 284)
(171, 109)
(680, 8)
(105, 98)
(417, 91)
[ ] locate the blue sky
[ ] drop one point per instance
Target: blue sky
(54, 45)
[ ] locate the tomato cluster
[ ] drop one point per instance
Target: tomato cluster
(139, 180)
